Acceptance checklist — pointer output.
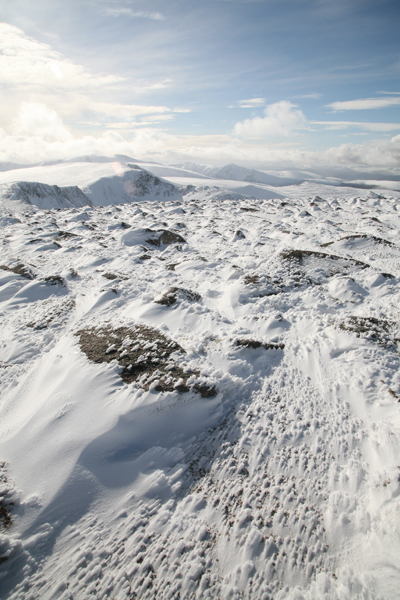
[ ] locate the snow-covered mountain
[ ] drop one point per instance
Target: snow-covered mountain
(199, 392)
(236, 173)
(43, 195)
(134, 184)
(8, 166)
(94, 182)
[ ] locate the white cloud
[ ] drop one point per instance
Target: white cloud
(281, 118)
(252, 103)
(30, 65)
(128, 12)
(37, 120)
(315, 96)
(337, 125)
(365, 103)
(148, 120)
(159, 85)
(84, 104)
(376, 154)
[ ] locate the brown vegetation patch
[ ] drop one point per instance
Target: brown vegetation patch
(300, 255)
(64, 235)
(171, 296)
(49, 313)
(55, 280)
(19, 269)
(251, 279)
(376, 330)
(247, 343)
(5, 507)
(145, 356)
(361, 236)
(171, 266)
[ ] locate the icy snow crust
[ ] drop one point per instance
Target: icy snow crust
(120, 479)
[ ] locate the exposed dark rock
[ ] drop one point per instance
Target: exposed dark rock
(247, 343)
(171, 296)
(19, 269)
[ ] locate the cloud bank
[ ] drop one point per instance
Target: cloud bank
(38, 134)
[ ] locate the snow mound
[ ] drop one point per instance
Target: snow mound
(43, 195)
(162, 237)
(220, 194)
(254, 191)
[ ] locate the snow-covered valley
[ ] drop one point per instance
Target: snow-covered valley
(200, 385)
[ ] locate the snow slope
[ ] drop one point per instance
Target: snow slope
(200, 398)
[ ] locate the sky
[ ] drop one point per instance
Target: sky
(271, 84)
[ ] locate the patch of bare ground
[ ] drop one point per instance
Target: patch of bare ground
(64, 235)
(55, 280)
(309, 267)
(112, 276)
(248, 343)
(375, 330)
(300, 255)
(49, 313)
(251, 279)
(5, 506)
(146, 357)
(360, 236)
(19, 269)
(172, 295)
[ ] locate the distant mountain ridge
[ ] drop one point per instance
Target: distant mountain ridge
(44, 196)
(236, 173)
(119, 185)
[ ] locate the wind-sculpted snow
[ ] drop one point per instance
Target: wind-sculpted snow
(200, 398)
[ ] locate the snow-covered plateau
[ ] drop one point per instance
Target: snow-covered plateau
(200, 385)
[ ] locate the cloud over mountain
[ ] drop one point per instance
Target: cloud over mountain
(281, 118)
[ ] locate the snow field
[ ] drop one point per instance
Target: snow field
(284, 484)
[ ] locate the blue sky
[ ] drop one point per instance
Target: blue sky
(267, 82)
